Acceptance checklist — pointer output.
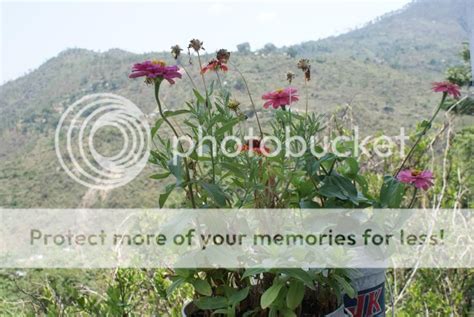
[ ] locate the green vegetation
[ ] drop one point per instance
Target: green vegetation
(380, 74)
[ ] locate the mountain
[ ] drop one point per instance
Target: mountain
(383, 70)
(418, 37)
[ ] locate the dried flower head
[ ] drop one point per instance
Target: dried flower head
(305, 66)
(196, 45)
(290, 76)
(223, 55)
(233, 105)
(176, 51)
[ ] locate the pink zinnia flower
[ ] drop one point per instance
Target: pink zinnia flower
(215, 65)
(280, 97)
(420, 179)
(448, 88)
(155, 69)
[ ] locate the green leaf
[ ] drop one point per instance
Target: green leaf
(202, 287)
(236, 169)
(227, 127)
(250, 313)
(351, 167)
(158, 158)
(253, 272)
(176, 283)
(222, 311)
(176, 169)
(288, 313)
(425, 124)
(329, 157)
(269, 296)
(305, 188)
(157, 126)
(211, 302)
(211, 88)
(164, 197)
(273, 312)
(199, 97)
(295, 294)
(170, 113)
(362, 183)
(312, 166)
(391, 193)
(215, 192)
(299, 274)
(239, 296)
(183, 272)
(308, 204)
(160, 176)
(347, 288)
(336, 186)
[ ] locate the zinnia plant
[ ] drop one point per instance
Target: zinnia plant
(213, 180)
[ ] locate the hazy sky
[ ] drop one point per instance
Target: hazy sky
(32, 32)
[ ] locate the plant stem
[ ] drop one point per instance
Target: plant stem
(213, 166)
(251, 99)
(332, 166)
(307, 96)
(189, 76)
(203, 79)
(208, 105)
(160, 109)
(324, 170)
(219, 79)
(422, 134)
(413, 198)
(200, 71)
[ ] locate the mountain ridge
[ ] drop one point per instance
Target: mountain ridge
(386, 80)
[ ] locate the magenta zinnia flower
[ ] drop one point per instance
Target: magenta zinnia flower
(448, 88)
(280, 98)
(420, 179)
(155, 69)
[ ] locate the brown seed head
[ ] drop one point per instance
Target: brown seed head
(176, 51)
(196, 45)
(223, 55)
(290, 76)
(305, 66)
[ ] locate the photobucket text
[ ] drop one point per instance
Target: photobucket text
(291, 146)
